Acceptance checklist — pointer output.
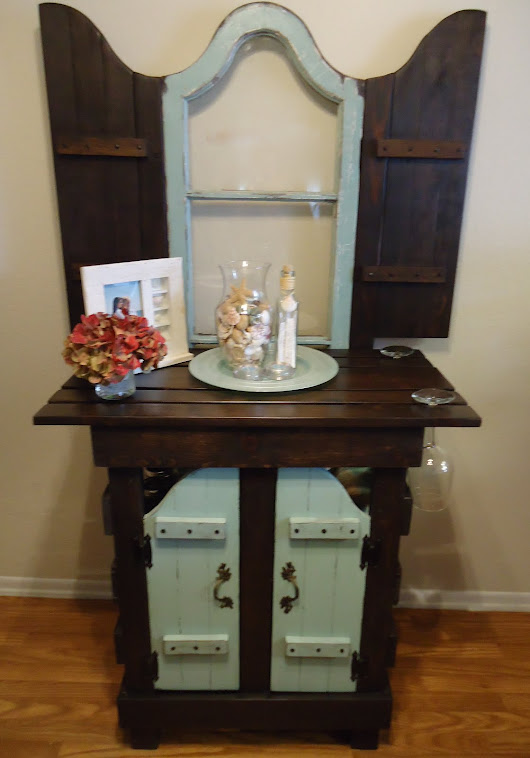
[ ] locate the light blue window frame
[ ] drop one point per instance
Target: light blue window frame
(270, 20)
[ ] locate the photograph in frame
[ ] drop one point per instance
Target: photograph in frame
(150, 288)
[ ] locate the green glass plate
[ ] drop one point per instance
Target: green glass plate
(313, 367)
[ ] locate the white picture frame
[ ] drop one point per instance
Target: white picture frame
(154, 289)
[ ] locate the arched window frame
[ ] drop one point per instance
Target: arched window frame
(270, 20)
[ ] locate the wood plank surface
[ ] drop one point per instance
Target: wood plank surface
(460, 685)
(258, 414)
(410, 209)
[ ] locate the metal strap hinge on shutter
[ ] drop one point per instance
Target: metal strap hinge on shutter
(359, 666)
(143, 547)
(371, 552)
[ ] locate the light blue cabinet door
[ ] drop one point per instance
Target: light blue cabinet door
(193, 584)
(319, 537)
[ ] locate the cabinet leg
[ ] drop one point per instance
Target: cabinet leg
(366, 740)
(144, 738)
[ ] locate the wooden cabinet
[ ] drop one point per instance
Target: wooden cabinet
(229, 616)
(261, 472)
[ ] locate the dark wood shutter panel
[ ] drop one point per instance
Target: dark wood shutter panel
(111, 209)
(410, 209)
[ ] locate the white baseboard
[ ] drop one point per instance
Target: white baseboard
(24, 586)
(100, 589)
(468, 600)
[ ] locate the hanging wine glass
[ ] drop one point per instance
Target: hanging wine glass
(430, 483)
(396, 351)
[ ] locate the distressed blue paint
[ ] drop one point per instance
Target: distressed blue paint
(252, 20)
(181, 581)
(329, 577)
(349, 159)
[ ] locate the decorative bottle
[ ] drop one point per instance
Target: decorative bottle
(283, 365)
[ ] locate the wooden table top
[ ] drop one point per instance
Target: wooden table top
(369, 390)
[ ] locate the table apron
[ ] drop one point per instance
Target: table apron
(256, 447)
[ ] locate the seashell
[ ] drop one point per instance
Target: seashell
(241, 338)
(237, 355)
(265, 317)
(243, 322)
(232, 317)
(224, 332)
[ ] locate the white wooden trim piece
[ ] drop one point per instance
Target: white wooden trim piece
(100, 589)
(466, 600)
(29, 586)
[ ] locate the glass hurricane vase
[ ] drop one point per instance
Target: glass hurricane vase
(243, 317)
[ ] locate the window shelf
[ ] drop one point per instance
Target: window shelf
(285, 197)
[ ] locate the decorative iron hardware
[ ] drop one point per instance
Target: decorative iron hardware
(371, 552)
(223, 575)
(152, 666)
(420, 148)
(288, 573)
(358, 667)
(121, 147)
(400, 274)
(143, 547)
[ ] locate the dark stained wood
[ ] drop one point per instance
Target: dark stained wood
(386, 514)
(304, 397)
(410, 210)
(419, 148)
(256, 514)
(256, 447)
(416, 274)
(151, 173)
(110, 210)
(118, 147)
(126, 492)
(256, 711)
(256, 415)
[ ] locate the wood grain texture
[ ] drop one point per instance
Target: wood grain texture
(410, 209)
(368, 391)
(461, 688)
(110, 211)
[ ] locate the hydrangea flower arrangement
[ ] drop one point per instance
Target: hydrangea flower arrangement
(103, 348)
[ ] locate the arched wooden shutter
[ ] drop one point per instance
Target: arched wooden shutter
(416, 140)
(107, 141)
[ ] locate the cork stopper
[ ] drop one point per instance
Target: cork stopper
(287, 278)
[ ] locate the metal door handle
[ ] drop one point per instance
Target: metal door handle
(288, 573)
(223, 575)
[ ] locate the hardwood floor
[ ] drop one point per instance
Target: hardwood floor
(461, 688)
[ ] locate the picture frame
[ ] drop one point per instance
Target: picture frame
(151, 288)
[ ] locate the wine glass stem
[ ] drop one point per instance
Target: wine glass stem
(428, 437)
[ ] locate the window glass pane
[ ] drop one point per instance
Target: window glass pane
(278, 233)
(261, 127)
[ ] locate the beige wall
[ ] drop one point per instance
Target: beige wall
(50, 523)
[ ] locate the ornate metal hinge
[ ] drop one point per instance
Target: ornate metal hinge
(152, 666)
(371, 552)
(358, 666)
(143, 547)
(223, 575)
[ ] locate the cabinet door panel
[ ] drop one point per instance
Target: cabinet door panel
(194, 534)
(323, 624)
